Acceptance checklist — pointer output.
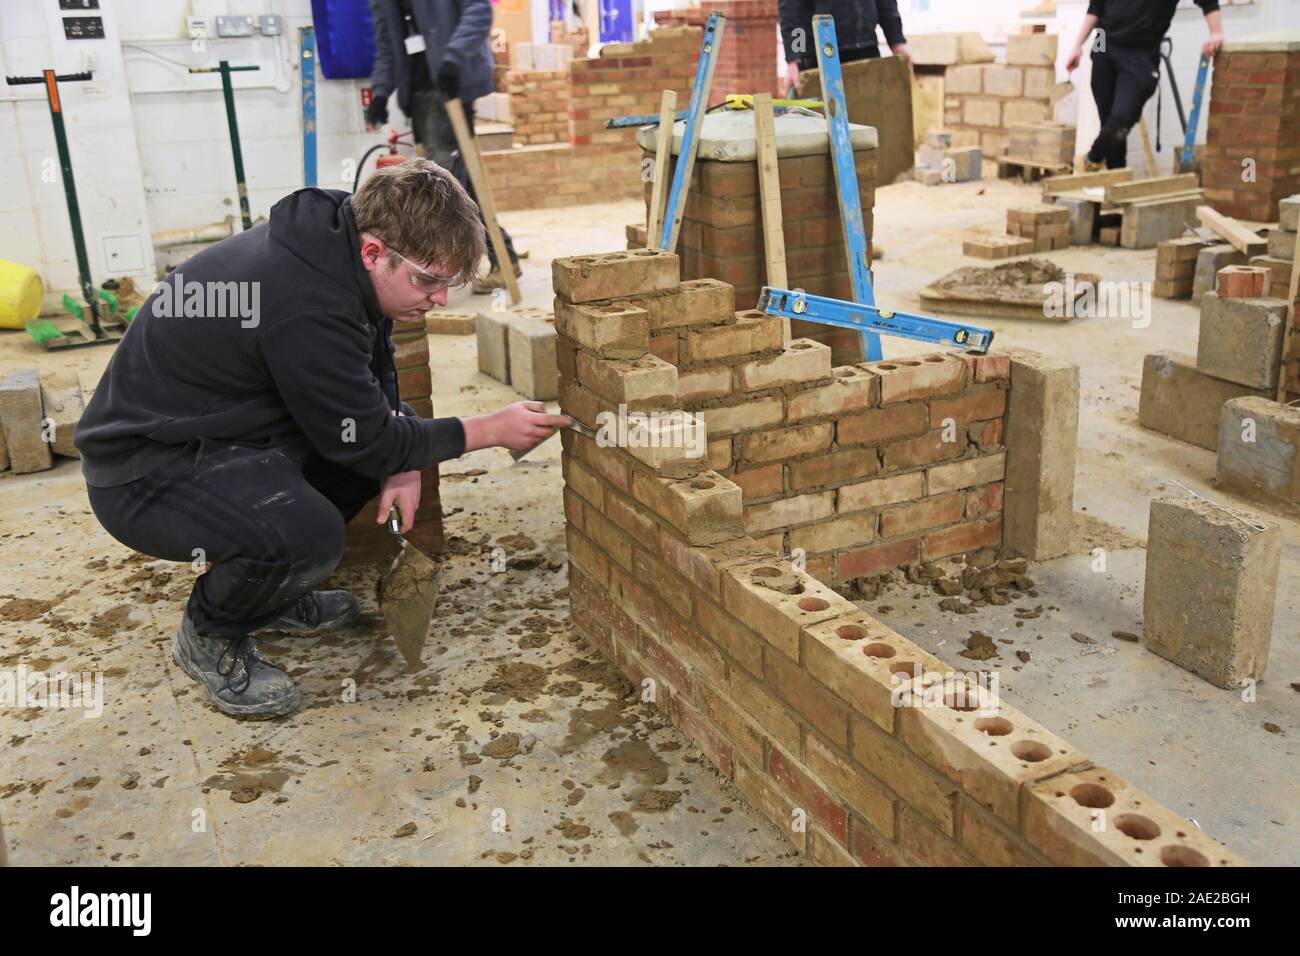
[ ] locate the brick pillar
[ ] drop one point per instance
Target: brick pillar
(747, 61)
(1254, 116)
(722, 233)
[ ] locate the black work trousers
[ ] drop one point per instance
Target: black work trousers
(1123, 79)
(433, 130)
(266, 522)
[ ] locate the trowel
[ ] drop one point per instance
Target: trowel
(575, 426)
(408, 593)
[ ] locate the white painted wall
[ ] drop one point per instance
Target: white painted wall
(149, 141)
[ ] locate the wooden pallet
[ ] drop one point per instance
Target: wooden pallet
(1010, 167)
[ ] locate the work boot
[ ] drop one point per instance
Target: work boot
(238, 679)
(482, 285)
(318, 611)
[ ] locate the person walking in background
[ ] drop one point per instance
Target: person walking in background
(1126, 65)
(855, 31)
(429, 52)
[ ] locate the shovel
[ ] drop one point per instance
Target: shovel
(407, 594)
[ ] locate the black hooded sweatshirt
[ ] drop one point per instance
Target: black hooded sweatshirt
(272, 334)
(1140, 23)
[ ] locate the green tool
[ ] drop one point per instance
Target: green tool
(225, 69)
(90, 326)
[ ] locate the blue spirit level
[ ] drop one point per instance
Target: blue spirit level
(793, 304)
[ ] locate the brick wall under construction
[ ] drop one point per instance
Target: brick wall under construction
(591, 163)
(857, 744)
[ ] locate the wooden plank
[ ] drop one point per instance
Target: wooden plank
(1071, 181)
(769, 189)
(663, 150)
(1147, 152)
(483, 190)
(1291, 318)
(1232, 231)
(1156, 187)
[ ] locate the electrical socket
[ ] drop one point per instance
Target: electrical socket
(196, 28)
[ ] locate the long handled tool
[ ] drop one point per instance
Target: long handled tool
(90, 324)
(468, 147)
(228, 91)
(407, 594)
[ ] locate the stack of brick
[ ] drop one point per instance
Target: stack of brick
(627, 78)
(1039, 228)
(1288, 222)
(787, 688)
(721, 234)
(1176, 266)
(982, 102)
(539, 106)
(1047, 226)
(1254, 127)
(1238, 354)
(368, 540)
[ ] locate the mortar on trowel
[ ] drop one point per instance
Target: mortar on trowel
(407, 594)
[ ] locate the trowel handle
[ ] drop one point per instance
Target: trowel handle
(395, 522)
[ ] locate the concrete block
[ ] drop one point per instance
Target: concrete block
(1148, 222)
(1183, 402)
(1258, 441)
(1288, 213)
(1208, 263)
(1211, 580)
(1241, 339)
(493, 332)
(613, 274)
(533, 370)
(1042, 430)
(963, 164)
(1281, 244)
(1002, 80)
(1082, 219)
(1031, 49)
(63, 402)
(22, 418)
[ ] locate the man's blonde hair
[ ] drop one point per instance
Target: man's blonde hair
(419, 209)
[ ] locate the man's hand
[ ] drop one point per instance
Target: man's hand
(792, 75)
(402, 490)
(1211, 46)
(1076, 56)
(449, 79)
(376, 114)
(903, 53)
(519, 427)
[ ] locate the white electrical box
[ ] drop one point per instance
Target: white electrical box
(235, 27)
(271, 25)
(124, 255)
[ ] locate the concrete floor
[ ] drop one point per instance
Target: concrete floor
(515, 744)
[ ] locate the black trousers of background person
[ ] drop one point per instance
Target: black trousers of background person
(268, 519)
(1123, 79)
(433, 130)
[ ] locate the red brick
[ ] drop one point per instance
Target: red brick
(962, 538)
(880, 557)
